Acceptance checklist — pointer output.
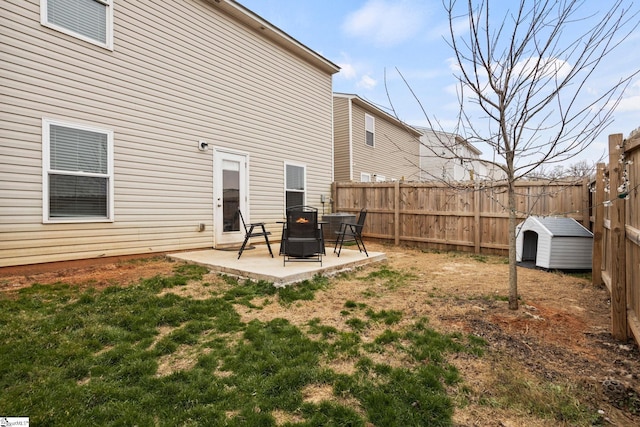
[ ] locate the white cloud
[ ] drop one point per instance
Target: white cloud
(347, 71)
(367, 82)
(386, 22)
(628, 104)
(453, 65)
(630, 101)
(549, 67)
(589, 90)
(354, 73)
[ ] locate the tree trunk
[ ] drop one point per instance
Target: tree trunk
(513, 272)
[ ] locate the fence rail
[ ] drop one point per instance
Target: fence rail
(616, 226)
(471, 217)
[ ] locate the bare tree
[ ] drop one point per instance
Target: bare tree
(522, 84)
(542, 172)
(579, 170)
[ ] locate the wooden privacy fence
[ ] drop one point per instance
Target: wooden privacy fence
(471, 217)
(616, 229)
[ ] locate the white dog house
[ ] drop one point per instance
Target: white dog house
(554, 243)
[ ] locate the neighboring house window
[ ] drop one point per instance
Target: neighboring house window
(365, 177)
(89, 20)
(294, 185)
(369, 129)
(380, 178)
(77, 173)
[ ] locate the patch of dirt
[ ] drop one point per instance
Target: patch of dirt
(183, 359)
(560, 333)
(86, 273)
(195, 290)
(283, 418)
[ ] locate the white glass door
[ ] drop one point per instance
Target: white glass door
(230, 195)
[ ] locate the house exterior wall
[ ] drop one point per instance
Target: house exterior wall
(432, 166)
(488, 171)
(395, 154)
(437, 162)
(179, 72)
(342, 139)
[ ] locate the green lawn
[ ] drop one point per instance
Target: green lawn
(72, 357)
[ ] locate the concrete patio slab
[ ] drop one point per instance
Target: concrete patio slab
(257, 264)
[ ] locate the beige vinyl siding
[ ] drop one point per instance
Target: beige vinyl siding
(434, 167)
(395, 154)
(342, 157)
(439, 163)
(179, 72)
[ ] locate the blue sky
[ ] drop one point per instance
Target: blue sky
(370, 39)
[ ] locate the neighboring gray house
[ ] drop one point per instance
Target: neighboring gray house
(371, 145)
(554, 243)
(448, 157)
(145, 131)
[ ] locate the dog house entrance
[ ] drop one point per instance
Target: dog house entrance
(530, 246)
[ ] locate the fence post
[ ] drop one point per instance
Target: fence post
(585, 204)
(334, 197)
(598, 226)
(396, 213)
(476, 216)
(619, 328)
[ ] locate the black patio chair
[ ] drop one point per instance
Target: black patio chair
(302, 238)
(255, 229)
(352, 232)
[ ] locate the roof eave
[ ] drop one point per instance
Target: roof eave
(458, 139)
(470, 146)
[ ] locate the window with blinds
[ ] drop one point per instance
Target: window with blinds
(294, 185)
(78, 172)
(369, 129)
(90, 20)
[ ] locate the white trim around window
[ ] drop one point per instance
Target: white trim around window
(369, 130)
(77, 173)
(295, 184)
(380, 178)
(365, 177)
(88, 20)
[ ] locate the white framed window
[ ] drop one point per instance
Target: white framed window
(295, 184)
(89, 20)
(365, 177)
(380, 178)
(369, 130)
(77, 173)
